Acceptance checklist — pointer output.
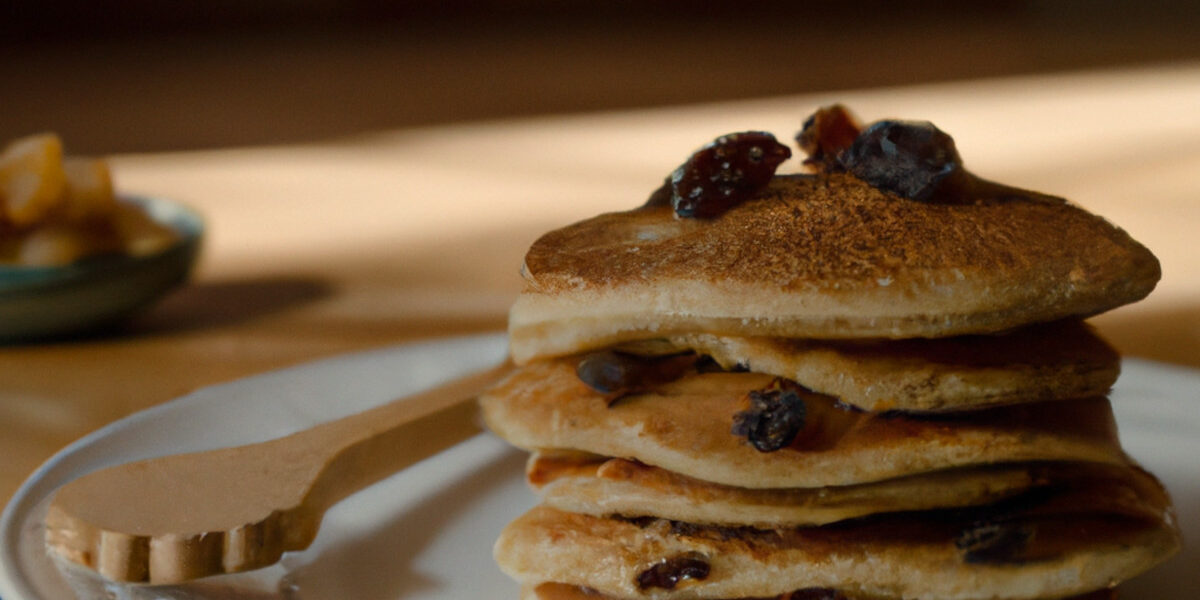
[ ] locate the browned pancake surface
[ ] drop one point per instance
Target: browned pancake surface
(823, 257)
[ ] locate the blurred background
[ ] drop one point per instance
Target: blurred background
(144, 75)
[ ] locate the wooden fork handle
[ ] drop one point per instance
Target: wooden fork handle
(366, 447)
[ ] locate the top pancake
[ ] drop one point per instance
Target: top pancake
(828, 257)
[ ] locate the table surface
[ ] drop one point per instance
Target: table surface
(357, 243)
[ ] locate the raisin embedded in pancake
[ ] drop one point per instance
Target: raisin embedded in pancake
(824, 256)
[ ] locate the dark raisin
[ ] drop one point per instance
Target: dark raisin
(725, 173)
(776, 415)
(619, 374)
(667, 573)
(909, 158)
(826, 134)
(994, 542)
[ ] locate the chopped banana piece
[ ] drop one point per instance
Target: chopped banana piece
(89, 189)
(31, 178)
(50, 246)
(64, 243)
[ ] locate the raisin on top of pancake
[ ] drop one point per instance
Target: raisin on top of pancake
(725, 172)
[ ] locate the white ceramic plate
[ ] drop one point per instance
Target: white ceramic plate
(427, 532)
(40, 302)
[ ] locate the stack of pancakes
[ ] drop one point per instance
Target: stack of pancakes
(828, 392)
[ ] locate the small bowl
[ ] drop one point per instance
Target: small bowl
(48, 302)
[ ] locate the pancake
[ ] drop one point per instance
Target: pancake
(562, 591)
(603, 486)
(1065, 359)
(825, 257)
(1001, 551)
(684, 426)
